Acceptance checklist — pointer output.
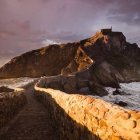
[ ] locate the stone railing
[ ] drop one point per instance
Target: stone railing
(10, 104)
(79, 117)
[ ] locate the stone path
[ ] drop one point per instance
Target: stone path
(32, 123)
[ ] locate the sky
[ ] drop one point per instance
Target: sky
(30, 24)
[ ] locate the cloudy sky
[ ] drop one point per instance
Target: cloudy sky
(29, 24)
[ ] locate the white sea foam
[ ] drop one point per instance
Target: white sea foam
(16, 82)
(132, 96)
(134, 86)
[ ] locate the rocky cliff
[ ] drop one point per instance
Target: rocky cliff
(115, 58)
(50, 60)
(107, 56)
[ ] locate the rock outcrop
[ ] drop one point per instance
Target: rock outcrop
(6, 89)
(112, 53)
(81, 61)
(73, 83)
(51, 60)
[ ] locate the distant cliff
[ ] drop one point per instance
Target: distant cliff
(107, 56)
(50, 60)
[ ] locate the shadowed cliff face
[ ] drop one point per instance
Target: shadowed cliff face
(48, 61)
(115, 59)
(112, 59)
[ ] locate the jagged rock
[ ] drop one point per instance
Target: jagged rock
(121, 103)
(113, 48)
(97, 89)
(70, 83)
(118, 92)
(55, 85)
(105, 74)
(80, 62)
(6, 89)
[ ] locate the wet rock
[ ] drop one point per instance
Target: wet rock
(97, 89)
(6, 89)
(118, 92)
(121, 103)
(105, 74)
(55, 85)
(70, 83)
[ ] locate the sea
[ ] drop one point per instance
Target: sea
(130, 96)
(16, 82)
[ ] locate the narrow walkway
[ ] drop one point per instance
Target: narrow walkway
(32, 123)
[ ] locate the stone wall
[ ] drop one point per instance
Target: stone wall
(10, 104)
(79, 117)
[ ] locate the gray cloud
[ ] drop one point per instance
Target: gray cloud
(126, 11)
(25, 24)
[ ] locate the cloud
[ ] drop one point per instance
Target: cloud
(126, 11)
(25, 23)
(5, 34)
(47, 42)
(25, 26)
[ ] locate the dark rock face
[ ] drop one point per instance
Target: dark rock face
(113, 60)
(6, 89)
(97, 89)
(121, 103)
(116, 58)
(80, 61)
(118, 92)
(105, 74)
